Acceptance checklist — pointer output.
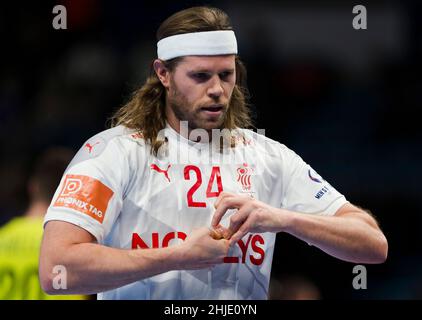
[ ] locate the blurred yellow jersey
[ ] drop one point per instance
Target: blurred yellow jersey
(20, 241)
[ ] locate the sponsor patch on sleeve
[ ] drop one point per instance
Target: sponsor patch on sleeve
(86, 195)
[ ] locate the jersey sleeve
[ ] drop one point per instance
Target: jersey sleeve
(305, 190)
(90, 194)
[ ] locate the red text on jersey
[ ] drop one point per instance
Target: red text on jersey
(252, 242)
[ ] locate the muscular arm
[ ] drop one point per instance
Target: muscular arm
(351, 234)
(93, 268)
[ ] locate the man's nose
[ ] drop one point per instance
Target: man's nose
(215, 89)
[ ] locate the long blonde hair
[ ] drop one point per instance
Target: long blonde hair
(145, 111)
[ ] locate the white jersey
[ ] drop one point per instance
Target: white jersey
(128, 198)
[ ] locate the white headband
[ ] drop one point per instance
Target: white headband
(207, 43)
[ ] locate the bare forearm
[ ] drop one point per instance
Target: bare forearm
(346, 238)
(92, 268)
(351, 235)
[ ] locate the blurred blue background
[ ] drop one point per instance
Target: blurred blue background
(346, 100)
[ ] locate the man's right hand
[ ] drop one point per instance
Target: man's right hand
(201, 250)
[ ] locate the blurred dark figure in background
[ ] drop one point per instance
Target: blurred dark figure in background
(293, 287)
(20, 238)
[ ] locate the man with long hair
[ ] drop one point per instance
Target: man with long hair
(180, 200)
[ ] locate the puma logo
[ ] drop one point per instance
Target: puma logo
(156, 168)
(90, 146)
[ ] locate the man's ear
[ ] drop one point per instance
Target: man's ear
(162, 72)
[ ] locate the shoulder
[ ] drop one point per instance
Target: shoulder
(263, 144)
(110, 144)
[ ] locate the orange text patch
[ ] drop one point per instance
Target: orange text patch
(86, 195)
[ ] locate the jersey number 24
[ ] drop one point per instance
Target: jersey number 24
(215, 175)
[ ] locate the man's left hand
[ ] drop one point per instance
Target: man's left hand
(251, 216)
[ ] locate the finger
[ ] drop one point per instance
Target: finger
(236, 221)
(243, 230)
(216, 234)
(238, 235)
(224, 205)
(221, 196)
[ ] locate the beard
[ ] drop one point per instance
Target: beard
(195, 115)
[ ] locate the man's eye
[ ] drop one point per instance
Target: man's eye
(201, 76)
(225, 75)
